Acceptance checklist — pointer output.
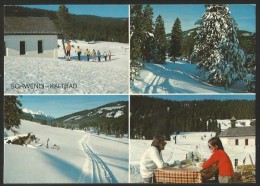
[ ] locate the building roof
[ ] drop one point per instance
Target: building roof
(29, 26)
(233, 119)
(238, 132)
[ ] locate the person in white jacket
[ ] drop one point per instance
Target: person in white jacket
(152, 159)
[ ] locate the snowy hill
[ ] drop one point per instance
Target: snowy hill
(178, 77)
(115, 110)
(82, 77)
(83, 157)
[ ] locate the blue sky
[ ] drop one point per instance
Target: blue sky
(60, 105)
(207, 96)
(116, 11)
(244, 14)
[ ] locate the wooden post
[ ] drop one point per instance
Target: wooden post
(253, 167)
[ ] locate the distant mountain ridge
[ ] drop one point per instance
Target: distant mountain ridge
(38, 116)
(108, 119)
(192, 30)
(111, 110)
(247, 40)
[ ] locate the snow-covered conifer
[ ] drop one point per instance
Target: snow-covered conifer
(136, 31)
(148, 28)
(12, 115)
(217, 48)
(175, 49)
(250, 78)
(160, 41)
(136, 40)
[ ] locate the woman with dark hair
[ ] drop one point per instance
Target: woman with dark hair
(220, 157)
(152, 158)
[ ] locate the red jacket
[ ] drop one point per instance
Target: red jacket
(224, 163)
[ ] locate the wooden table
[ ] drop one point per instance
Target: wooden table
(188, 174)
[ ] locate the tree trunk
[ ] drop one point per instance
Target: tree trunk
(63, 44)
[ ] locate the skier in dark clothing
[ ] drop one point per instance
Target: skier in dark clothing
(105, 55)
(78, 52)
(98, 55)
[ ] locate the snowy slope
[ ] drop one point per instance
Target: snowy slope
(179, 77)
(82, 77)
(83, 157)
(185, 143)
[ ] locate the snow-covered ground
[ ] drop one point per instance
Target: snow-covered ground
(185, 144)
(83, 157)
(81, 77)
(178, 77)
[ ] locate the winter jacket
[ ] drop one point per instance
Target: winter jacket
(87, 52)
(78, 50)
(151, 160)
(68, 47)
(223, 161)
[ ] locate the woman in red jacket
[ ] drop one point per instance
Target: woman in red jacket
(220, 157)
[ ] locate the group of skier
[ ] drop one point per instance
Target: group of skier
(95, 55)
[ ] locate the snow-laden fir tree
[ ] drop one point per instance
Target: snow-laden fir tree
(148, 29)
(250, 78)
(12, 112)
(217, 49)
(136, 31)
(136, 40)
(175, 49)
(160, 43)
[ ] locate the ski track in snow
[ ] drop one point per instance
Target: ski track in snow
(94, 169)
(178, 77)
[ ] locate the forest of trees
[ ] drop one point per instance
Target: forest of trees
(150, 116)
(81, 27)
(223, 52)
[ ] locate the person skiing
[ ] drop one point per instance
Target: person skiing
(105, 55)
(87, 52)
(98, 55)
(78, 52)
(68, 49)
(94, 54)
(109, 55)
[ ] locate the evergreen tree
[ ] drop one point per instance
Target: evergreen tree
(188, 44)
(160, 41)
(64, 23)
(217, 49)
(136, 40)
(148, 29)
(136, 31)
(12, 112)
(250, 78)
(176, 44)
